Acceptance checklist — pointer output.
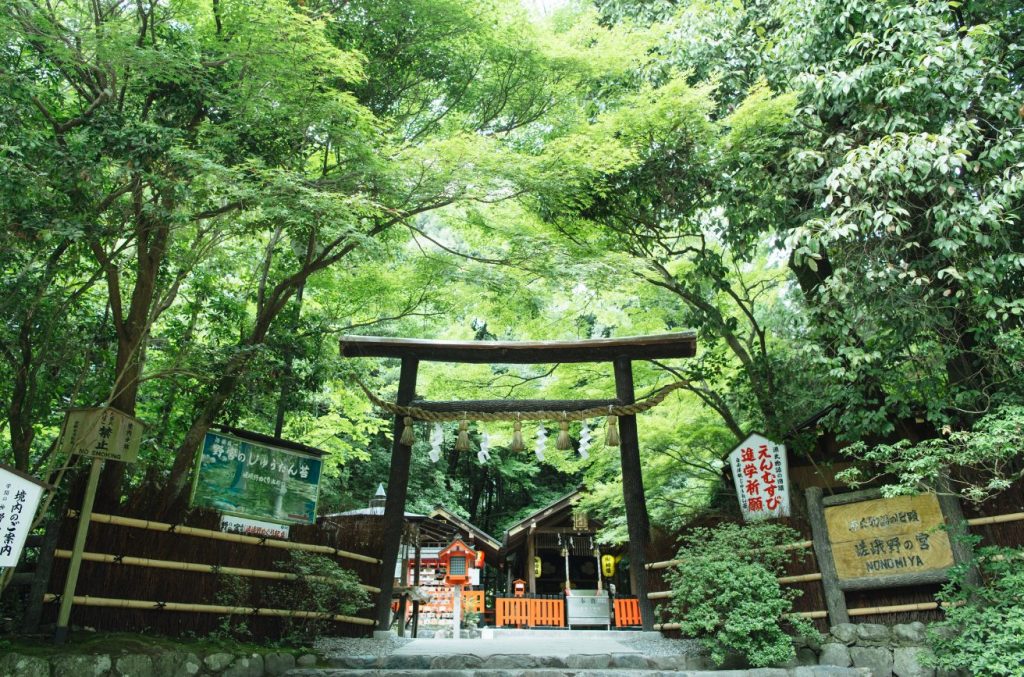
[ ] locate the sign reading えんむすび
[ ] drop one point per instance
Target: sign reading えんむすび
(888, 537)
(250, 479)
(761, 474)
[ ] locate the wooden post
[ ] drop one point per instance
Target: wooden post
(416, 582)
(531, 553)
(394, 507)
(835, 598)
(633, 490)
(41, 577)
(404, 580)
(68, 597)
(957, 530)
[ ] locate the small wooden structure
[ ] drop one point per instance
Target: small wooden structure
(619, 351)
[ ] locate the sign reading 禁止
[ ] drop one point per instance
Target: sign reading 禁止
(240, 525)
(252, 479)
(761, 473)
(888, 537)
(103, 433)
(19, 498)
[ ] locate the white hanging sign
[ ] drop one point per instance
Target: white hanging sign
(761, 474)
(248, 527)
(19, 498)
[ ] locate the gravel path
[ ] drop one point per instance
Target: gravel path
(360, 646)
(650, 645)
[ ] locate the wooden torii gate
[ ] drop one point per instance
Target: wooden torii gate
(621, 352)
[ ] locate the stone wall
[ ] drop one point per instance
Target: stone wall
(167, 664)
(894, 651)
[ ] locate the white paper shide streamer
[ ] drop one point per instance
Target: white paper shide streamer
(436, 439)
(584, 440)
(484, 454)
(540, 442)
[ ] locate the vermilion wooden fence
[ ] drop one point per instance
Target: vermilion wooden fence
(526, 612)
(627, 612)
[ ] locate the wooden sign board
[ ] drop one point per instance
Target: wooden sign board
(761, 474)
(897, 538)
(19, 499)
(103, 432)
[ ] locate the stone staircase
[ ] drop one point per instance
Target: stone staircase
(589, 665)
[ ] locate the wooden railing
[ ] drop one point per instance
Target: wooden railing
(627, 612)
(527, 612)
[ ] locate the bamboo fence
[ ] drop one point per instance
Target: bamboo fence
(87, 600)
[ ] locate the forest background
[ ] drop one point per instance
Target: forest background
(200, 197)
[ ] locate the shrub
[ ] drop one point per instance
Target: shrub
(725, 592)
(983, 632)
(323, 586)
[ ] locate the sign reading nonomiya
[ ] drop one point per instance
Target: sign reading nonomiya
(245, 478)
(101, 433)
(761, 474)
(19, 498)
(888, 537)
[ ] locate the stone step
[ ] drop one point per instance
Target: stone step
(807, 671)
(519, 661)
(552, 633)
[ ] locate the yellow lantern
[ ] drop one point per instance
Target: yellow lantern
(536, 566)
(607, 565)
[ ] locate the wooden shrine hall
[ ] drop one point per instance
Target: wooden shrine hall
(620, 352)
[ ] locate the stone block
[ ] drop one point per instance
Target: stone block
(216, 662)
(876, 659)
(456, 662)
(511, 662)
(176, 664)
(769, 672)
(873, 634)
(835, 654)
(844, 632)
(354, 662)
(133, 665)
(907, 662)
(15, 665)
(82, 666)
(591, 662)
(306, 660)
(909, 634)
(629, 661)
(245, 666)
(401, 662)
(276, 664)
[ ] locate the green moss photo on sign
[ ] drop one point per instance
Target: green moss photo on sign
(249, 479)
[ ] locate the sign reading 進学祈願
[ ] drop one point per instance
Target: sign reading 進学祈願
(19, 498)
(761, 474)
(888, 537)
(250, 479)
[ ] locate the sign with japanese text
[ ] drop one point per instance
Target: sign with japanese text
(250, 479)
(19, 498)
(101, 433)
(241, 525)
(888, 537)
(761, 474)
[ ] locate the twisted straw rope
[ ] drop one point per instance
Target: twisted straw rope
(419, 414)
